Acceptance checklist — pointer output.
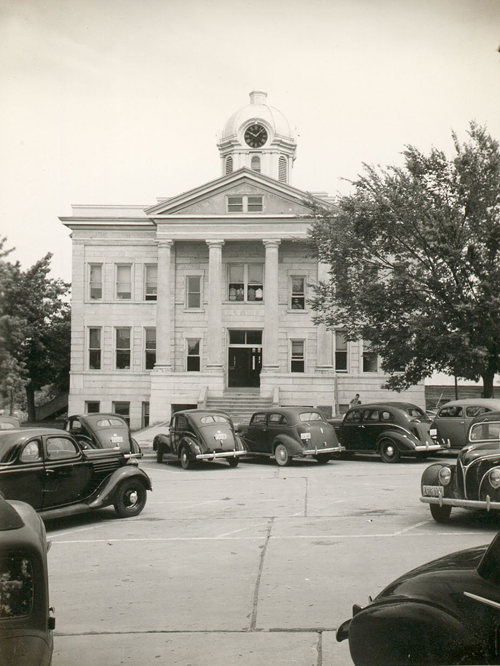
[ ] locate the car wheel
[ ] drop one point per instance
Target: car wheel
(233, 462)
(281, 455)
(441, 514)
(130, 498)
(159, 453)
(186, 462)
(389, 452)
(323, 458)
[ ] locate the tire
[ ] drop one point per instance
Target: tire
(281, 455)
(233, 462)
(184, 459)
(323, 458)
(159, 453)
(130, 498)
(389, 452)
(441, 514)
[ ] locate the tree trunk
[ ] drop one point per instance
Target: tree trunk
(488, 378)
(30, 399)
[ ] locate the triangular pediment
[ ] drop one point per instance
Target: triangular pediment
(211, 199)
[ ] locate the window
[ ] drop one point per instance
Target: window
(277, 419)
(59, 448)
(255, 163)
(237, 337)
(95, 281)
(123, 410)
(150, 348)
(452, 412)
(229, 164)
(92, 406)
(145, 415)
(370, 359)
(31, 451)
(124, 281)
(193, 291)
(297, 363)
(123, 348)
(258, 418)
(94, 348)
(310, 416)
(251, 203)
(245, 282)
(282, 169)
(298, 293)
(17, 587)
(476, 410)
(193, 355)
(353, 417)
(150, 282)
(340, 351)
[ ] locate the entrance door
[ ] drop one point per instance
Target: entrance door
(244, 366)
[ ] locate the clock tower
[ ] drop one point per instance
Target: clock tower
(258, 137)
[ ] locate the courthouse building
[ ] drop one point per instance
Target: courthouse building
(202, 298)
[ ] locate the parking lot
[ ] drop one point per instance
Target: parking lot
(252, 565)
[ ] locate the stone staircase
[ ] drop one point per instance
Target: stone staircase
(240, 405)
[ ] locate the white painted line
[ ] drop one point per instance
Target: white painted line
(226, 534)
(412, 527)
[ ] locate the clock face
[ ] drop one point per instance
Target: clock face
(256, 136)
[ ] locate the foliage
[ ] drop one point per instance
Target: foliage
(414, 262)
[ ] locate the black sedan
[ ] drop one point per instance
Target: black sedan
(474, 482)
(102, 431)
(284, 433)
(196, 435)
(444, 612)
(48, 469)
(390, 429)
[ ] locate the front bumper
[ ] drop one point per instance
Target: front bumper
(219, 454)
(316, 451)
(484, 505)
(429, 447)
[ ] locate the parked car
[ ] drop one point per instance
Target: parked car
(390, 429)
(284, 433)
(199, 434)
(26, 621)
(50, 470)
(454, 418)
(444, 612)
(102, 431)
(9, 423)
(474, 482)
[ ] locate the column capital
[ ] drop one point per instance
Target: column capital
(165, 242)
(271, 242)
(214, 243)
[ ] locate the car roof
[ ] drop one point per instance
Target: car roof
(94, 416)
(488, 416)
(290, 411)
(487, 402)
(201, 411)
(12, 438)
(395, 404)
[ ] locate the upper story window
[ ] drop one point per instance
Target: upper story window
(246, 282)
(149, 348)
(340, 351)
(282, 169)
(193, 291)
(150, 282)
(370, 359)
(298, 292)
(95, 281)
(245, 203)
(94, 348)
(229, 164)
(123, 349)
(255, 163)
(124, 281)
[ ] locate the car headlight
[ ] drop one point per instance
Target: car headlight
(494, 478)
(444, 476)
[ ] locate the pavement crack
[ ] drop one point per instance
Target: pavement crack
(253, 619)
(306, 497)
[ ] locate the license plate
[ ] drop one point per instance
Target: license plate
(432, 491)
(305, 435)
(116, 439)
(433, 432)
(220, 436)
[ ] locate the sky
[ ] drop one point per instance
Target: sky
(123, 101)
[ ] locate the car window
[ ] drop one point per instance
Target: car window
(476, 410)
(214, 418)
(31, 451)
(370, 415)
(453, 411)
(180, 422)
(353, 417)
(16, 586)
(109, 423)
(59, 448)
(75, 426)
(5, 425)
(275, 419)
(385, 416)
(258, 419)
(485, 431)
(310, 416)
(416, 412)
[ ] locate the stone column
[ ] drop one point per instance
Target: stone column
(324, 338)
(164, 305)
(270, 360)
(214, 332)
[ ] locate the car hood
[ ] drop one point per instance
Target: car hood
(472, 452)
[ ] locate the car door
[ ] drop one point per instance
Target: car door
(450, 423)
(351, 430)
(23, 479)
(369, 429)
(67, 472)
(256, 436)
(276, 424)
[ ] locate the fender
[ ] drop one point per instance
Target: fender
(104, 494)
(293, 447)
(193, 447)
(407, 443)
(430, 474)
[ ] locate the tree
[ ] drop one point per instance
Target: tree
(34, 328)
(414, 262)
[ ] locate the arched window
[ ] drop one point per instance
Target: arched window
(229, 164)
(255, 163)
(282, 169)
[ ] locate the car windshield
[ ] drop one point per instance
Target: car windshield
(213, 418)
(310, 416)
(110, 423)
(481, 432)
(16, 586)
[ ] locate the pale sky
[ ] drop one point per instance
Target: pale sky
(122, 101)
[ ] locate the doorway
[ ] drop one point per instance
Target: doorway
(244, 359)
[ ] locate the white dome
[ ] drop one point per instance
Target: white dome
(258, 109)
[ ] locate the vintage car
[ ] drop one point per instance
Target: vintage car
(199, 434)
(48, 469)
(454, 418)
(284, 433)
(26, 620)
(474, 482)
(102, 431)
(9, 423)
(390, 429)
(444, 612)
